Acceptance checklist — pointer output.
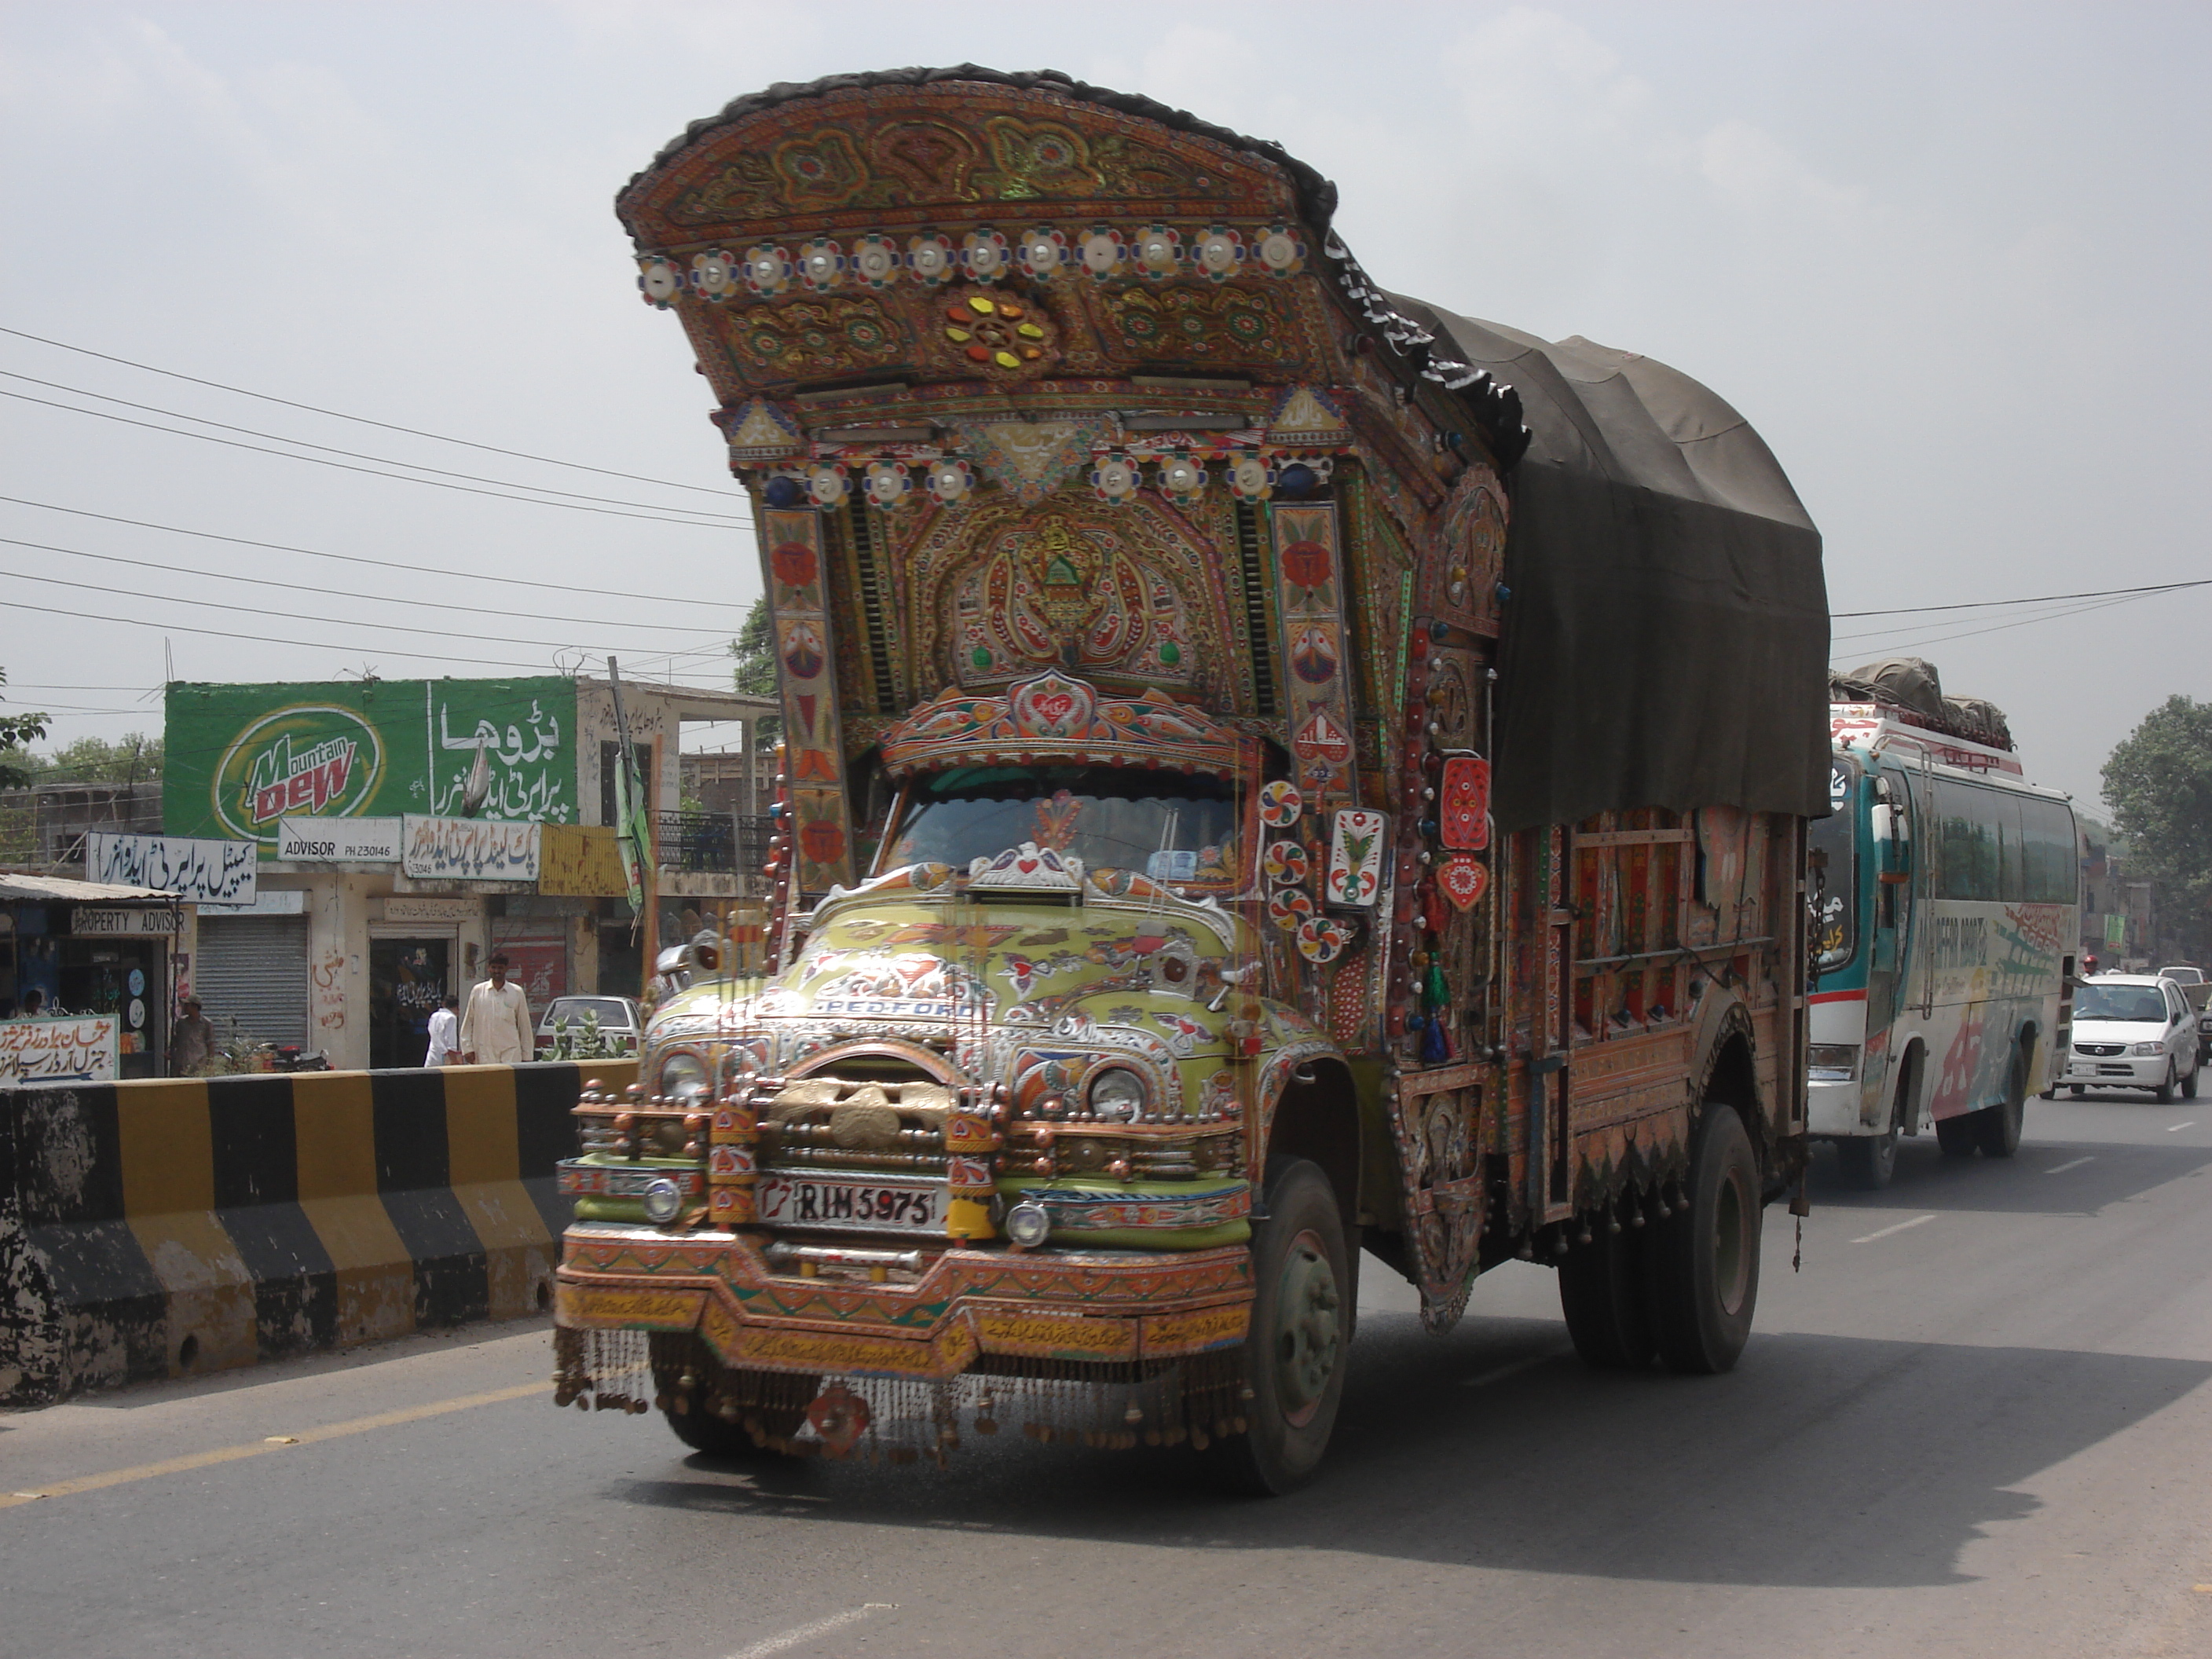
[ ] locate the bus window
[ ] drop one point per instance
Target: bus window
(2000, 845)
(1836, 906)
(1968, 835)
(2054, 868)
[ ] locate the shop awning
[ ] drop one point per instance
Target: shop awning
(60, 889)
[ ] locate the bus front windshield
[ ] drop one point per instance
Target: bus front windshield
(1168, 825)
(1835, 882)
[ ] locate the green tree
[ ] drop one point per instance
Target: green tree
(133, 758)
(17, 730)
(2158, 782)
(753, 674)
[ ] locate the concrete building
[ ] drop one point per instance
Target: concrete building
(405, 830)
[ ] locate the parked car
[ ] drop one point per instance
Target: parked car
(2133, 1031)
(620, 1024)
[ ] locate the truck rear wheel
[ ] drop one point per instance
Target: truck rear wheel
(1704, 1259)
(1601, 1292)
(1295, 1354)
(691, 1413)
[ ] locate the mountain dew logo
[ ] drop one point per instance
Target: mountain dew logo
(309, 761)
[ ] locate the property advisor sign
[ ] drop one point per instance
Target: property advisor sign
(338, 841)
(245, 758)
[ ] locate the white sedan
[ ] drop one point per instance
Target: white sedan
(2133, 1031)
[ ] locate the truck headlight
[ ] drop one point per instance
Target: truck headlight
(1027, 1224)
(1118, 1093)
(663, 1200)
(684, 1077)
(2146, 1050)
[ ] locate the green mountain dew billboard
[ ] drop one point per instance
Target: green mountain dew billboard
(242, 757)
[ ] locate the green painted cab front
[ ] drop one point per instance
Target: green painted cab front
(1100, 1018)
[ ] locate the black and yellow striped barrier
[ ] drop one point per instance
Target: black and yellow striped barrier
(152, 1228)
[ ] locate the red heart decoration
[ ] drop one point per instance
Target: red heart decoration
(1055, 708)
(1464, 881)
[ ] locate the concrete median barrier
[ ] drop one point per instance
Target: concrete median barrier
(149, 1229)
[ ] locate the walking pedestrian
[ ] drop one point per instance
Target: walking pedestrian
(496, 1030)
(445, 1031)
(192, 1039)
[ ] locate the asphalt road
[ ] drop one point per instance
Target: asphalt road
(1978, 1421)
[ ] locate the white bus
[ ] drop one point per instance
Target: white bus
(1947, 889)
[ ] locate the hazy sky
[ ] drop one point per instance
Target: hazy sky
(1950, 261)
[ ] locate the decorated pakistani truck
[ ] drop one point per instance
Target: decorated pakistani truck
(1272, 773)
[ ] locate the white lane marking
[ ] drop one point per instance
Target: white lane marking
(2061, 1169)
(1513, 1369)
(2171, 1127)
(792, 1638)
(1898, 1228)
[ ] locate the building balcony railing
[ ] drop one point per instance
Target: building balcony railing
(720, 843)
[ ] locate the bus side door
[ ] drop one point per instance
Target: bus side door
(1890, 847)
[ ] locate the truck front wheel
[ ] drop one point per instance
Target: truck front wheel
(1295, 1353)
(692, 1411)
(1704, 1278)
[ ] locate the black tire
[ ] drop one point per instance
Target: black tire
(1869, 1161)
(1295, 1357)
(703, 1429)
(1704, 1257)
(2189, 1083)
(1602, 1294)
(2164, 1093)
(1996, 1129)
(1957, 1136)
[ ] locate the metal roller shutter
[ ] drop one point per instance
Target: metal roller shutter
(254, 969)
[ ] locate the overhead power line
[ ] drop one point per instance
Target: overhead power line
(254, 610)
(363, 420)
(1897, 644)
(264, 638)
(381, 564)
(167, 626)
(355, 455)
(2042, 598)
(348, 466)
(340, 593)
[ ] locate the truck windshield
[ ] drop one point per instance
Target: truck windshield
(1836, 920)
(2142, 1002)
(1171, 826)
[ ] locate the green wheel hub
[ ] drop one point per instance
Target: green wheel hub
(1308, 1335)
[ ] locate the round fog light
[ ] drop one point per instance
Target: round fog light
(1028, 1224)
(663, 1199)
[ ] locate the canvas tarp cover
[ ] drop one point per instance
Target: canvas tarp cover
(1665, 636)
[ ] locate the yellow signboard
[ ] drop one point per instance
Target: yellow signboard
(580, 860)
